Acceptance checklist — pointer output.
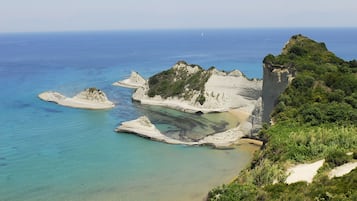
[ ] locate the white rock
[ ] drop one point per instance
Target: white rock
(134, 81)
(144, 128)
(222, 93)
(90, 98)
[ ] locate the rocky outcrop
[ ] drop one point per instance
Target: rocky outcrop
(144, 128)
(201, 91)
(134, 81)
(275, 80)
(90, 98)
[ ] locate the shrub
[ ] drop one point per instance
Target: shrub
(180, 83)
(354, 155)
(234, 192)
(336, 158)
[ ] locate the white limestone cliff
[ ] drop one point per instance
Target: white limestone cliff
(222, 92)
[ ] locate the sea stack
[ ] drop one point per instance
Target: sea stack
(134, 81)
(90, 98)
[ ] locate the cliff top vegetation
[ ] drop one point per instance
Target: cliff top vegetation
(315, 118)
(183, 81)
(325, 88)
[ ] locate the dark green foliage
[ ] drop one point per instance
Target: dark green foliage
(201, 99)
(339, 189)
(322, 92)
(337, 157)
(92, 89)
(179, 82)
(342, 188)
(315, 118)
(234, 192)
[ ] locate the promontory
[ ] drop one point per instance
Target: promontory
(190, 88)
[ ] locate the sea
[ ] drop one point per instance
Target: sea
(51, 152)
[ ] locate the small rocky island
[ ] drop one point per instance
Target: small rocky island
(90, 98)
(134, 81)
(190, 88)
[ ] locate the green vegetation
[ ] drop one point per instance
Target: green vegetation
(341, 189)
(315, 118)
(92, 89)
(325, 88)
(179, 82)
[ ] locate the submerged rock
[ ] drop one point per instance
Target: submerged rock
(144, 128)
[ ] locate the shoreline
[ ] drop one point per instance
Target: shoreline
(227, 139)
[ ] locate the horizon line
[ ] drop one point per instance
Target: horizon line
(174, 29)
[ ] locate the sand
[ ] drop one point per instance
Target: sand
(342, 170)
(303, 172)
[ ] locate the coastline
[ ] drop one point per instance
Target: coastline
(227, 139)
(223, 92)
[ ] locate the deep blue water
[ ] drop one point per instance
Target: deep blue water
(49, 152)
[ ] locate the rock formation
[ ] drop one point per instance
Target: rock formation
(90, 98)
(189, 88)
(134, 81)
(144, 128)
(275, 80)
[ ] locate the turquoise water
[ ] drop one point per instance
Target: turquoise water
(49, 152)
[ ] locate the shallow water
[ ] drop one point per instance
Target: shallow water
(186, 126)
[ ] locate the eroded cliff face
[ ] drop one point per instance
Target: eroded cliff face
(190, 88)
(276, 79)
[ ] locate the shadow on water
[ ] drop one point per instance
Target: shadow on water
(186, 126)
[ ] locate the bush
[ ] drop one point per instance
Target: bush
(336, 158)
(179, 83)
(234, 192)
(354, 155)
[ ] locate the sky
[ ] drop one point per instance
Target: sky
(82, 15)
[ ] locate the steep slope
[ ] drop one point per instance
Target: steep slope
(315, 118)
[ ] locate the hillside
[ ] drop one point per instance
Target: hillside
(183, 80)
(314, 117)
(190, 88)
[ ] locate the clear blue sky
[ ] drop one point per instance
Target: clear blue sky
(65, 15)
